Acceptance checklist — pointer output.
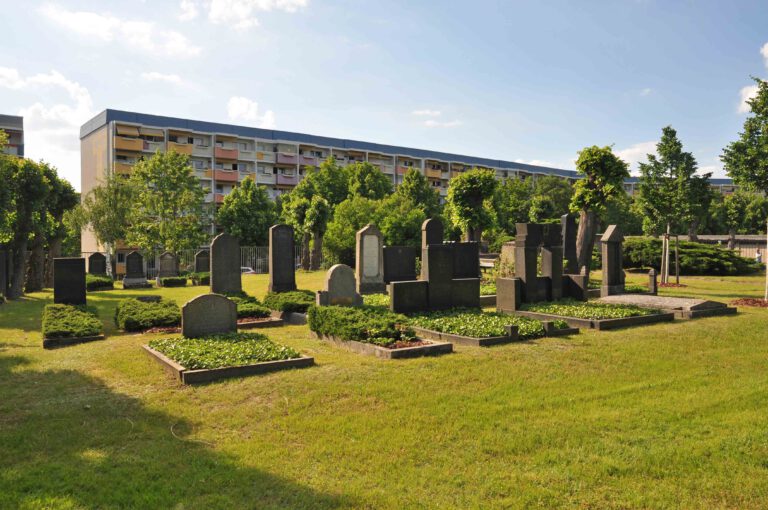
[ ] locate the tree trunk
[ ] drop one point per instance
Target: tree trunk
(19, 261)
(54, 251)
(35, 266)
(732, 239)
(693, 231)
(765, 296)
(316, 256)
(585, 239)
(305, 252)
(473, 234)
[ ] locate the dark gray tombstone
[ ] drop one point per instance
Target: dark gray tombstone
(69, 281)
(203, 261)
(399, 263)
(552, 261)
(437, 269)
(369, 260)
(569, 232)
(282, 255)
(508, 294)
(167, 265)
(527, 243)
(340, 288)
(466, 260)
(431, 232)
(225, 265)
(3, 275)
(465, 292)
(653, 283)
(135, 276)
(208, 314)
(411, 296)
(97, 264)
(613, 257)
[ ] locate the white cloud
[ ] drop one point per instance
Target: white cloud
(764, 53)
(173, 79)
(241, 14)
(52, 129)
(746, 93)
(637, 153)
(188, 10)
(437, 124)
(426, 113)
(144, 36)
(243, 109)
(646, 91)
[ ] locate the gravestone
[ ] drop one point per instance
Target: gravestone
(97, 264)
(569, 233)
(613, 258)
(203, 261)
(437, 269)
(552, 261)
(369, 260)
(507, 260)
(69, 280)
(527, 243)
(167, 266)
(135, 276)
(653, 283)
(399, 263)
(208, 314)
(466, 260)
(431, 232)
(282, 259)
(409, 296)
(225, 265)
(339, 288)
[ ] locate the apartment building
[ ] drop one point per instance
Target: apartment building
(718, 185)
(14, 127)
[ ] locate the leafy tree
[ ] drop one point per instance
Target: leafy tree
(330, 181)
(317, 217)
(350, 216)
(470, 202)
(247, 213)
(555, 191)
(365, 180)
(746, 159)
(399, 220)
(700, 196)
(512, 203)
(604, 175)
(416, 189)
(624, 210)
(295, 207)
(168, 211)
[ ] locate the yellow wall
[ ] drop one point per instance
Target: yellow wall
(94, 165)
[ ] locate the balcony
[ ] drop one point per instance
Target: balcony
(455, 173)
(129, 144)
(262, 178)
(153, 146)
(204, 151)
(181, 148)
(286, 180)
(225, 176)
(219, 198)
(434, 174)
(287, 159)
(208, 198)
(307, 161)
(123, 168)
(267, 157)
(221, 152)
(247, 155)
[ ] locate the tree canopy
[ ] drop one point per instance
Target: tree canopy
(470, 201)
(247, 213)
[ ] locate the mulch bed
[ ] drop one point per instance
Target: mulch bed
(760, 303)
(404, 343)
(672, 285)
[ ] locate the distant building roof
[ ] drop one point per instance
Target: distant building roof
(12, 122)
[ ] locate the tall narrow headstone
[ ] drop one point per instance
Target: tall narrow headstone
(369, 260)
(612, 254)
(202, 261)
(552, 261)
(69, 281)
(282, 259)
(527, 243)
(437, 269)
(208, 314)
(225, 265)
(135, 276)
(97, 264)
(167, 265)
(339, 288)
(568, 226)
(431, 232)
(653, 282)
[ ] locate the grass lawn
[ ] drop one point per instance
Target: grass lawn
(665, 416)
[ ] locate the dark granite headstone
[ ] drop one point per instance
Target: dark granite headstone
(282, 265)
(576, 286)
(399, 263)
(437, 269)
(208, 314)
(167, 266)
(431, 232)
(203, 261)
(411, 296)
(369, 260)
(612, 254)
(225, 265)
(69, 281)
(569, 234)
(527, 244)
(97, 264)
(552, 261)
(135, 276)
(340, 288)
(466, 260)
(465, 292)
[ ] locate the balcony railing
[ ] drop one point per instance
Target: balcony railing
(267, 157)
(262, 178)
(123, 168)
(221, 152)
(387, 169)
(247, 155)
(219, 198)
(287, 159)
(287, 180)
(181, 148)
(225, 176)
(435, 174)
(307, 161)
(203, 151)
(401, 170)
(455, 173)
(129, 144)
(153, 146)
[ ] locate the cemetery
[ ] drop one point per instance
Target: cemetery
(67, 325)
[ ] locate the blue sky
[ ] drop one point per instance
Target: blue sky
(526, 81)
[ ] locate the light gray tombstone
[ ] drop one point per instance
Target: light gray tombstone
(369, 260)
(612, 253)
(282, 259)
(208, 314)
(167, 266)
(339, 288)
(225, 265)
(202, 261)
(653, 283)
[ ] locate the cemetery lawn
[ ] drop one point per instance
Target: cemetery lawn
(671, 415)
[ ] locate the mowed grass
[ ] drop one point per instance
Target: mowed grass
(665, 416)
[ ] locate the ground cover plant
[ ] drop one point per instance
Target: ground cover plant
(477, 324)
(98, 282)
(224, 350)
(376, 300)
(487, 288)
(134, 315)
(173, 281)
(367, 325)
(586, 309)
(292, 301)
(67, 321)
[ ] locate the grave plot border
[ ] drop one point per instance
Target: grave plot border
(549, 331)
(196, 376)
(433, 349)
(601, 324)
(698, 314)
(488, 300)
(272, 322)
(292, 318)
(55, 343)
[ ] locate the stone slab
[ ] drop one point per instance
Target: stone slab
(69, 281)
(410, 296)
(600, 324)
(663, 302)
(97, 264)
(203, 261)
(399, 263)
(225, 265)
(340, 288)
(54, 343)
(488, 341)
(208, 314)
(282, 264)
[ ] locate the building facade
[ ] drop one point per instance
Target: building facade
(14, 127)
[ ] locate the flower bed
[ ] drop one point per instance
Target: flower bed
(297, 301)
(134, 315)
(590, 314)
(98, 282)
(66, 324)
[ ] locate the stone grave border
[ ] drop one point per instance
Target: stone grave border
(697, 314)
(549, 331)
(268, 322)
(489, 300)
(55, 343)
(292, 318)
(601, 324)
(196, 376)
(433, 349)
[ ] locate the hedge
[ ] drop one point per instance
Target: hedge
(366, 325)
(67, 321)
(248, 306)
(173, 281)
(695, 258)
(202, 278)
(134, 315)
(291, 301)
(98, 282)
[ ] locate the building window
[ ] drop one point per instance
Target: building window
(120, 258)
(243, 146)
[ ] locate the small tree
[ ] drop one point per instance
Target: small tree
(247, 213)
(746, 160)
(167, 210)
(470, 202)
(295, 207)
(512, 203)
(350, 216)
(399, 220)
(604, 175)
(316, 221)
(416, 189)
(365, 180)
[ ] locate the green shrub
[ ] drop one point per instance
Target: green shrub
(134, 315)
(173, 281)
(248, 306)
(219, 351)
(292, 301)
(202, 278)
(367, 325)
(477, 324)
(586, 310)
(487, 288)
(98, 282)
(66, 321)
(376, 300)
(695, 258)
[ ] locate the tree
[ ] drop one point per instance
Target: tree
(330, 181)
(700, 195)
(247, 213)
(470, 202)
(317, 217)
(167, 210)
(350, 216)
(556, 191)
(746, 159)
(624, 210)
(295, 207)
(365, 180)
(399, 219)
(416, 189)
(604, 175)
(512, 203)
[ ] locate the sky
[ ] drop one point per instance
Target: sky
(526, 81)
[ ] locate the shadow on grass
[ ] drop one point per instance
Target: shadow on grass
(68, 440)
